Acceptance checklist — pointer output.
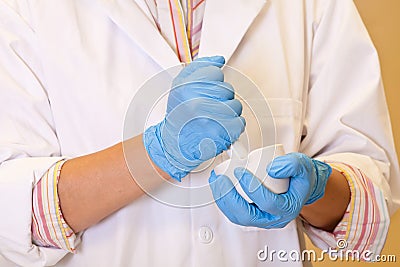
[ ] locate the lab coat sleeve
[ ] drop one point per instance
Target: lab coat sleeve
(28, 142)
(346, 118)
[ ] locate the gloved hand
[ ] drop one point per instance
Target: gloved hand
(202, 119)
(308, 178)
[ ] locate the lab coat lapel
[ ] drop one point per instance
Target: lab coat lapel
(225, 24)
(129, 17)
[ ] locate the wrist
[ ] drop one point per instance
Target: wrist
(326, 212)
(159, 156)
(322, 173)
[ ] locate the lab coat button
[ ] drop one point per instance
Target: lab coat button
(205, 234)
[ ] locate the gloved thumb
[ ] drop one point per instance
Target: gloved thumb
(289, 165)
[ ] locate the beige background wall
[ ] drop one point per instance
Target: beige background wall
(382, 18)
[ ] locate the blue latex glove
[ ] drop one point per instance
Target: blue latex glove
(308, 179)
(202, 119)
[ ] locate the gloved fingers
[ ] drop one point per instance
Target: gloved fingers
(267, 200)
(299, 168)
(235, 106)
(202, 138)
(306, 182)
(184, 92)
(289, 165)
(218, 90)
(233, 205)
(217, 61)
(206, 73)
(233, 127)
(217, 109)
(223, 134)
(210, 109)
(216, 119)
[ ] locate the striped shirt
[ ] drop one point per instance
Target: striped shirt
(49, 228)
(365, 223)
(180, 23)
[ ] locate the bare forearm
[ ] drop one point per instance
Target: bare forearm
(94, 186)
(327, 212)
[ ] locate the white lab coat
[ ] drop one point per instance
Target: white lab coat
(69, 68)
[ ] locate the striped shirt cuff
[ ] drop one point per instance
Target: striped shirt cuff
(365, 224)
(49, 228)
